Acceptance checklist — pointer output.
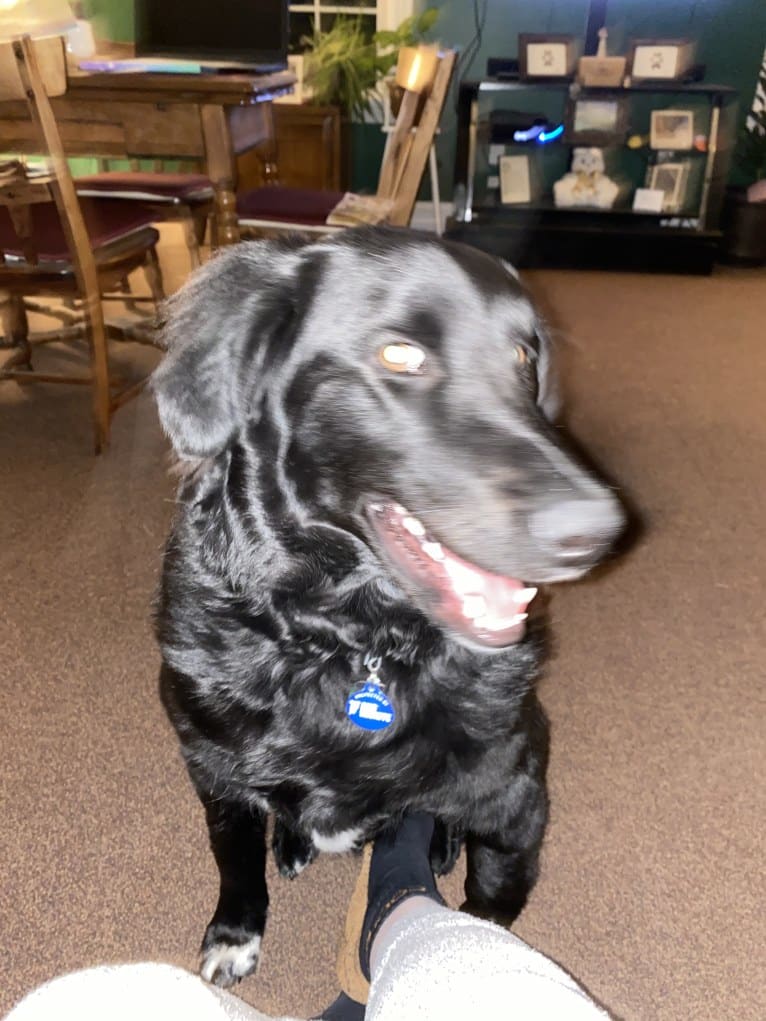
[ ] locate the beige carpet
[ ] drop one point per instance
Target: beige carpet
(652, 890)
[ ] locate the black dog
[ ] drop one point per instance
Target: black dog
(342, 617)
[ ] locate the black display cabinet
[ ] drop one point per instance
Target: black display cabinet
(538, 234)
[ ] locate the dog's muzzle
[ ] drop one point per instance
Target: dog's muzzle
(487, 608)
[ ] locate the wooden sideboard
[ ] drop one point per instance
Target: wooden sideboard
(309, 150)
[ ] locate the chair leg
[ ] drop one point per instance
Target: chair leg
(201, 218)
(16, 329)
(99, 359)
(123, 287)
(153, 274)
(191, 236)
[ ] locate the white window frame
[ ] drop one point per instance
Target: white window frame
(388, 13)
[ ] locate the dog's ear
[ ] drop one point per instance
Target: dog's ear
(548, 394)
(548, 397)
(216, 331)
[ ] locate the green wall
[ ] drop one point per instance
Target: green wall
(731, 36)
(113, 18)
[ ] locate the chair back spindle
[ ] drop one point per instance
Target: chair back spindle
(407, 151)
(34, 78)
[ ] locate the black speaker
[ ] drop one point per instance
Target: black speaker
(502, 67)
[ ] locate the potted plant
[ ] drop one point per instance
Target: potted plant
(343, 66)
(745, 210)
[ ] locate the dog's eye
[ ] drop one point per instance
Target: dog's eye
(520, 355)
(403, 357)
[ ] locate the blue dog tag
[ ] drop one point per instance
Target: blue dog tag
(369, 708)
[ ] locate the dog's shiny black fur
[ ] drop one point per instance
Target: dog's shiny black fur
(273, 592)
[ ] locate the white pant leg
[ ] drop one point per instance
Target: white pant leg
(443, 965)
(132, 992)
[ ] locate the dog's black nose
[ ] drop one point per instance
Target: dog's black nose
(578, 532)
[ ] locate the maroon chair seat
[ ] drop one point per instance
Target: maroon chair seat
(288, 205)
(106, 220)
(147, 187)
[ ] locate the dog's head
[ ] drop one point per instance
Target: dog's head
(399, 387)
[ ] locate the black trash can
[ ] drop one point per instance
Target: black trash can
(744, 229)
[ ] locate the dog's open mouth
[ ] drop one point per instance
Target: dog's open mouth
(486, 608)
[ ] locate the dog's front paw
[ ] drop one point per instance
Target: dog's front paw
(227, 957)
(292, 851)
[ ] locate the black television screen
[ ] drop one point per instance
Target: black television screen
(249, 32)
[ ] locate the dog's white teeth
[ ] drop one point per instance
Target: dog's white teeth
(474, 606)
(463, 578)
(501, 624)
(524, 595)
(433, 550)
(413, 526)
(398, 509)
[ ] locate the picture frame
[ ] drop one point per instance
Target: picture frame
(547, 56)
(660, 59)
(597, 119)
(672, 129)
(515, 179)
(648, 200)
(672, 180)
(601, 72)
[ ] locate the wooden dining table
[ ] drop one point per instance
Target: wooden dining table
(208, 118)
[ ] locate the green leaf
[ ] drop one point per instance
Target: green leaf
(427, 19)
(343, 64)
(387, 38)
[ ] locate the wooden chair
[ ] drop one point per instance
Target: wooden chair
(184, 197)
(54, 246)
(273, 209)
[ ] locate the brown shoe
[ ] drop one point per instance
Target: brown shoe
(349, 970)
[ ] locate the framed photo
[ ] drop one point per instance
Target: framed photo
(661, 59)
(597, 119)
(648, 200)
(671, 179)
(547, 56)
(672, 129)
(515, 179)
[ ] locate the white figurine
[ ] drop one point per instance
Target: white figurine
(586, 184)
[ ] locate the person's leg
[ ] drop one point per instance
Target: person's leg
(431, 962)
(400, 869)
(428, 961)
(403, 915)
(396, 871)
(128, 992)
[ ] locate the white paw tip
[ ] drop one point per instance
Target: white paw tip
(230, 962)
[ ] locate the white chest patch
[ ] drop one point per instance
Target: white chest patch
(336, 843)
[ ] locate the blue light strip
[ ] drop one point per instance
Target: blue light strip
(528, 134)
(537, 133)
(548, 136)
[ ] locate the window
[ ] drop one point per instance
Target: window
(379, 13)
